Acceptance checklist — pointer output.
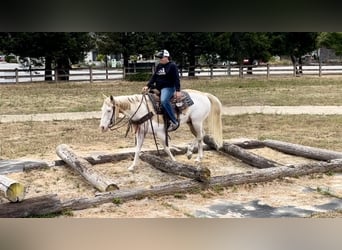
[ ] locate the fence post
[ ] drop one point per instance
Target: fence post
(211, 71)
(91, 73)
(294, 69)
(16, 75)
(106, 73)
(268, 70)
(241, 71)
(320, 68)
(56, 75)
(228, 69)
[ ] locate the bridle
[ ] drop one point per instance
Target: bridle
(113, 123)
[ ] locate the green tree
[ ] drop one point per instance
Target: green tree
(294, 44)
(60, 49)
(187, 47)
(126, 43)
(331, 40)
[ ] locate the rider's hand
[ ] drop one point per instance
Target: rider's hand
(178, 95)
(144, 89)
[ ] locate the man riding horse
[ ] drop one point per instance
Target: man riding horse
(166, 80)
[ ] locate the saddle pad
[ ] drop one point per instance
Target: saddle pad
(185, 100)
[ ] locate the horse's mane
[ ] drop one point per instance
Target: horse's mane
(126, 102)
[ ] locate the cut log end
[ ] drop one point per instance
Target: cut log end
(112, 187)
(15, 192)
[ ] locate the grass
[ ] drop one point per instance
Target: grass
(30, 98)
(41, 138)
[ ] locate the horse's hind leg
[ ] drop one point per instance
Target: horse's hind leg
(197, 130)
(192, 145)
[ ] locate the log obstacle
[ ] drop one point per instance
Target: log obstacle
(36, 206)
(304, 151)
(53, 205)
(84, 168)
(12, 190)
(243, 154)
(249, 157)
(198, 173)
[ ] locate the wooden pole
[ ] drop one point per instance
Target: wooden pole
(304, 151)
(91, 73)
(165, 165)
(83, 167)
(51, 204)
(13, 190)
(36, 206)
(249, 157)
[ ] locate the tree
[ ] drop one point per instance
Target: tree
(126, 43)
(294, 44)
(331, 40)
(60, 49)
(187, 47)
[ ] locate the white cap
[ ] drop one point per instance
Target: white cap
(163, 53)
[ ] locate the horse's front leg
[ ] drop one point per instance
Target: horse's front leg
(167, 150)
(139, 136)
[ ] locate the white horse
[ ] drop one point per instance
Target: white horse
(137, 107)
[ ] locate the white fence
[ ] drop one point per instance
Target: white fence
(102, 74)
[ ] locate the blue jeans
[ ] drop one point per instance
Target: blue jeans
(165, 96)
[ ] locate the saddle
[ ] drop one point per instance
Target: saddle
(177, 105)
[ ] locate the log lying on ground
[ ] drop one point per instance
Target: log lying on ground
(35, 206)
(249, 157)
(198, 173)
(241, 142)
(83, 167)
(12, 190)
(269, 174)
(242, 154)
(304, 151)
(54, 205)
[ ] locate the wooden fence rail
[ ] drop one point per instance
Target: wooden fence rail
(102, 73)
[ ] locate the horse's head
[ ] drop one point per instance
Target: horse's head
(108, 113)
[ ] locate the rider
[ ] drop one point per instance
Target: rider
(166, 80)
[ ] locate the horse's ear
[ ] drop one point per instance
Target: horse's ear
(111, 98)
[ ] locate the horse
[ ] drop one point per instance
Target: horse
(144, 119)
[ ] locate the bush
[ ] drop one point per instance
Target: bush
(138, 77)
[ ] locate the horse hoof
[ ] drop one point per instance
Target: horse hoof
(131, 168)
(189, 155)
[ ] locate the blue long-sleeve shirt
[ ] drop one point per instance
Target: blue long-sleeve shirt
(165, 76)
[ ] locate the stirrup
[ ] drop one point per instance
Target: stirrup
(172, 127)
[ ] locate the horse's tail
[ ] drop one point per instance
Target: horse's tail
(215, 119)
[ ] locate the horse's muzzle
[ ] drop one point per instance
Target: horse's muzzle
(103, 129)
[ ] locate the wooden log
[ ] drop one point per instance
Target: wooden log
(249, 157)
(36, 206)
(198, 173)
(304, 151)
(261, 175)
(12, 190)
(242, 143)
(103, 158)
(269, 174)
(54, 205)
(83, 167)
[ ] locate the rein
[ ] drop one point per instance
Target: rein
(130, 121)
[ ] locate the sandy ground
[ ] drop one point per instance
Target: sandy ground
(279, 193)
(298, 192)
